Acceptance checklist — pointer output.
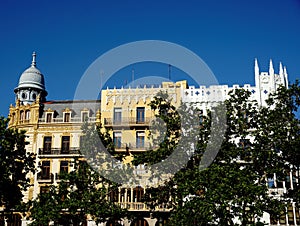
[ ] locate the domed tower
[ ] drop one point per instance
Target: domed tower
(31, 84)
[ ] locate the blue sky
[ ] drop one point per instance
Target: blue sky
(69, 35)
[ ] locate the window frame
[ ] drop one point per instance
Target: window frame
(117, 139)
(65, 144)
(117, 117)
(140, 115)
(140, 139)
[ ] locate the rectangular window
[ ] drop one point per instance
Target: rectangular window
(48, 117)
(64, 167)
(45, 170)
(271, 182)
(82, 140)
(140, 114)
(140, 139)
(67, 117)
(47, 144)
(65, 144)
(138, 194)
(245, 145)
(117, 139)
(84, 116)
(117, 115)
(113, 195)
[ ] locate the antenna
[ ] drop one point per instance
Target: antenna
(101, 75)
(169, 71)
(132, 77)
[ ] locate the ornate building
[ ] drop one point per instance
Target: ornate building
(54, 127)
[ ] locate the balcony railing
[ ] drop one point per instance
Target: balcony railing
(71, 120)
(140, 206)
(45, 177)
(59, 151)
(130, 121)
(133, 146)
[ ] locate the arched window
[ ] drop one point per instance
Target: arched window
(22, 115)
(27, 115)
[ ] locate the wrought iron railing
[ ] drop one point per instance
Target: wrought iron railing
(45, 177)
(127, 121)
(59, 151)
(71, 120)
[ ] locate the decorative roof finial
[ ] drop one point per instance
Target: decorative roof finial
(284, 71)
(33, 63)
(280, 69)
(256, 68)
(271, 68)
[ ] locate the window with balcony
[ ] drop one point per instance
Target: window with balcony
(113, 195)
(140, 139)
(45, 173)
(47, 144)
(117, 137)
(65, 144)
(67, 116)
(84, 116)
(138, 193)
(49, 117)
(117, 115)
(140, 114)
(64, 167)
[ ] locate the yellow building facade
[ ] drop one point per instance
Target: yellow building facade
(127, 113)
(53, 130)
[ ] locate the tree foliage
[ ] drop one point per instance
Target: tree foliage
(80, 193)
(258, 142)
(15, 164)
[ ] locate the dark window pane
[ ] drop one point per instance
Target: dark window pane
(65, 144)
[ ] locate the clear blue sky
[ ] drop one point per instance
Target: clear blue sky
(69, 35)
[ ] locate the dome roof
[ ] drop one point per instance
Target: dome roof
(32, 78)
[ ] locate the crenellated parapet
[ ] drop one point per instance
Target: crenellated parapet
(265, 83)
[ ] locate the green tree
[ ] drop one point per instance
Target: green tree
(15, 165)
(81, 192)
(282, 133)
(233, 189)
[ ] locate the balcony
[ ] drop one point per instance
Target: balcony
(59, 151)
(140, 206)
(45, 178)
(133, 205)
(127, 121)
(71, 120)
(133, 147)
